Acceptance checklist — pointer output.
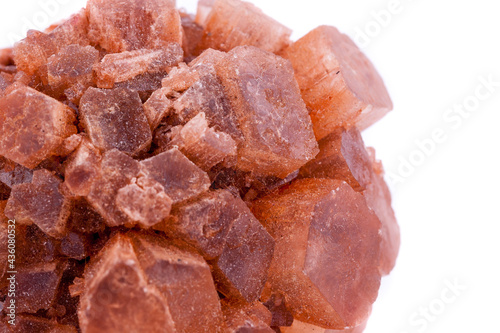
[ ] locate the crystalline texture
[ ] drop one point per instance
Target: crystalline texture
(242, 317)
(121, 67)
(233, 23)
(119, 26)
(41, 203)
(33, 126)
(203, 145)
(82, 168)
(339, 84)
(241, 270)
(180, 178)
(118, 296)
(114, 118)
(327, 251)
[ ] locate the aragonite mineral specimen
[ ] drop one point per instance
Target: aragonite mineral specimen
(190, 173)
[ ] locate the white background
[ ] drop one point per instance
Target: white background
(432, 55)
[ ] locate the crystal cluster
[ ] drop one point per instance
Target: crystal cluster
(171, 172)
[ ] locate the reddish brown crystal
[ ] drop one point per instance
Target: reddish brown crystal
(82, 168)
(117, 171)
(180, 177)
(203, 145)
(37, 286)
(205, 223)
(342, 156)
(68, 76)
(33, 126)
(121, 67)
(119, 26)
(241, 270)
(40, 202)
(184, 279)
(233, 23)
(157, 107)
(118, 296)
(144, 201)
(114, 118)
(327, 251)
(339, 84)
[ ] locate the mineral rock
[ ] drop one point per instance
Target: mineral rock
(33, 126)
(157, 107)
(29, 324)
(241, 270)
(32, 53)
(82, 168)
(339, 84)
(144, 201)
(85, 219)
(118, 296)
(144, 84)
(342, 156)
(114, 118)
(205, 223)
(181, 178)
(233, 23)
(37, 286)
(251, 318)
(74, 246)
(203, 145)
(185, 281)
(70, 71)
(117, 171)
(193, 33)
(327, 251)
(121, 67)
(12, 174)
(33, 246)
(40, 202)
(119, 26)
(378, 198)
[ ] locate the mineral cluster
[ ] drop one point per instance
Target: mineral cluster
(169, 172)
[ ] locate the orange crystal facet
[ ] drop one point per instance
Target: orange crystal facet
(339, 84)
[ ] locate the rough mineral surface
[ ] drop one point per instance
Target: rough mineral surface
(114, 118)
(327, 251)
(119, 25)
(32, 126)
(40, 202)
(339, 84)
(121, 67)
(172, 172)
(203, 145)
(233, 23)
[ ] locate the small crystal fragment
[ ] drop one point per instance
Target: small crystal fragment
(342, 156)
(157, 107)
(203, 145)
(33, 246)
(180, 177)
(193, 32)
(119, 26)
(70, 70)
(144, 201)
(121, 67)
(339, 84)
(114, 118)
(40, 202)
(117, 171)
(12, 174)
(82, 168)
(241, 270)
(85, 219)
(233, 23)
(205, 223)
(184, 279)
(74, 246)
(33, 126)
(37, 286)
(327, 251)
(117, 295)
(276, 303)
